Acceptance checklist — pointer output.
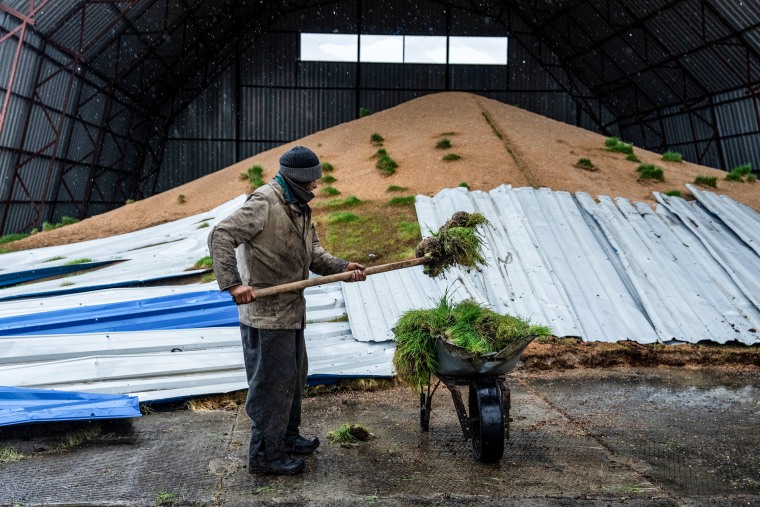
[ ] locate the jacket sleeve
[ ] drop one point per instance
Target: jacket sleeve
(241, 226)
(322, 263)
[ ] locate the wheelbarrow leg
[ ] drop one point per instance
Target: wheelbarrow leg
(487, 420)
(426, 405)
(506, 404)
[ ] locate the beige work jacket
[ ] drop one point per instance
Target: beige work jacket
(268, 242)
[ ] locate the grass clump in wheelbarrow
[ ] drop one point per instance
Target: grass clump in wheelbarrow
(467, 324)
(457, 243)
(349, 435)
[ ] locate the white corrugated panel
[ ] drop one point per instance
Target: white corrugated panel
(163, 251)
(604, 271)
(168, 364)
(160, 365)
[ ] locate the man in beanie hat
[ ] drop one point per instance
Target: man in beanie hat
(278, 244)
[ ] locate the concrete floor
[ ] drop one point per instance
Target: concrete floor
(646, 436)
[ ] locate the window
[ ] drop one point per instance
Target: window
(478, 50)
(423, 49)
(329, 47)
(381, 48)
(332, 47)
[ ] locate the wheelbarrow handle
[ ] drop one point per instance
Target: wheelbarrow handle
(338, 277)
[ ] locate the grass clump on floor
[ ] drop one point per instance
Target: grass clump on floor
(227, 401)
(633, 158)
(466, 324)
(327, 167)
(363, 111)
(166, 497)
(8, 453)
(328, 178)
(349, 435)
(75, 438)
(395, 188)
(457, 243)
(672, 156)
(740, 173)
(673, 193)
(449, 157)
(464, 184)
(614, 144)
(331, 191)
(706, 181)
(650, 172)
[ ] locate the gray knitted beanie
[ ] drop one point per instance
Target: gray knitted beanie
(300, 164)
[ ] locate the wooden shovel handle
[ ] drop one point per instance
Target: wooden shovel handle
(338, 277)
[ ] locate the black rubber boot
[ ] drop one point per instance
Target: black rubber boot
(284, 465)
(301, 445)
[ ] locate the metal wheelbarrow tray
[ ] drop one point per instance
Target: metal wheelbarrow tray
(486, 420)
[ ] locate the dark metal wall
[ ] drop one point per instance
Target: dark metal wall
(268, 97)
(105, 101)
(69, 139)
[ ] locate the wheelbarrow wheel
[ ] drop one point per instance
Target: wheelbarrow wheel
(487, 421)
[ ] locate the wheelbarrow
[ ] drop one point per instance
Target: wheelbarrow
(486, 419)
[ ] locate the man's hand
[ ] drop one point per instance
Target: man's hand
(358, 272)
(242, 294)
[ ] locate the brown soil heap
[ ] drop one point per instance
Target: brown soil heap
(498, 144)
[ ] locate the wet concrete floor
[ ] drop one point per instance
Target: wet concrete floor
(635, 437)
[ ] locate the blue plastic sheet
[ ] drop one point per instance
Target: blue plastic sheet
(22, 405)
(176, 311)
(8, 279)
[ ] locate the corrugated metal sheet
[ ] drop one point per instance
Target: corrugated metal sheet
(163, 251)
(605, 271)
(21, 406)
(160, 365)
(150, 360)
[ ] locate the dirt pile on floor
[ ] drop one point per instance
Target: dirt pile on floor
(496, 144)
(569, 353)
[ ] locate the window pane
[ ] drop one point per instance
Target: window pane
(424, 49)
(329, 47)
(478, 50)
(381, 48)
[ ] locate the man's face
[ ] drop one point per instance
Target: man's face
(310, 185)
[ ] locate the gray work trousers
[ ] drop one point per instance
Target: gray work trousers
(276, 366)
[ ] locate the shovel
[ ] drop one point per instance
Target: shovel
(338, 277)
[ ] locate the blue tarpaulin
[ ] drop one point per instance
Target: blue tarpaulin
(21, 406)
(18, 277)
(176, 311)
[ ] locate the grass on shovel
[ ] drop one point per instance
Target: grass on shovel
(349, 435)
(457, 243)
(467, 324)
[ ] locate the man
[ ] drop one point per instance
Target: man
(279, 244)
